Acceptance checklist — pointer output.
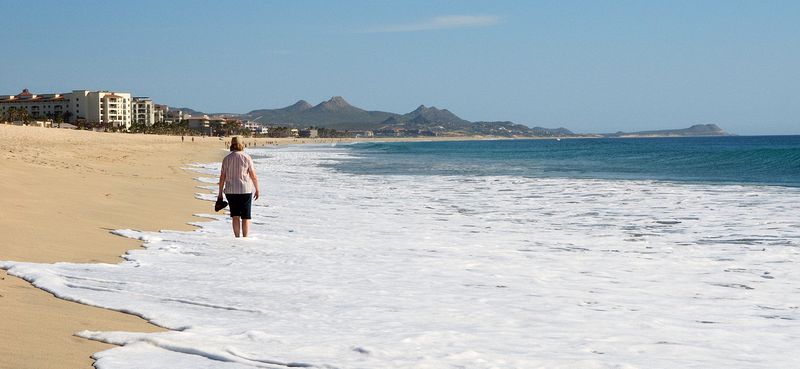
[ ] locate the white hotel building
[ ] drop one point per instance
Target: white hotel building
(104, 107)
(144, 111)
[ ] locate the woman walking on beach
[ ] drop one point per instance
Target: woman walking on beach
(238, 181)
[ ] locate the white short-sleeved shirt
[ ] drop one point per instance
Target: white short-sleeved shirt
(236, 167)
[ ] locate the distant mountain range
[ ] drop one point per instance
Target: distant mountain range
(338, 114)
(335, 113)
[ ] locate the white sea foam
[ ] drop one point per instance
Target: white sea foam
(349, 271)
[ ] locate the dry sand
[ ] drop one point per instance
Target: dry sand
(61, 192)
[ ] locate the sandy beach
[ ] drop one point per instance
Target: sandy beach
(63, 190)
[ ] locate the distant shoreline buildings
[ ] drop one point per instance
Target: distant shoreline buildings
(115, 109)
(122, 110)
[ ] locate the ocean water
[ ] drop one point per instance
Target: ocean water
(773, 160)
(378, 256)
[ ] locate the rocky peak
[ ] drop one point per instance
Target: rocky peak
(299, 106)
(433, 114)
(335, 103)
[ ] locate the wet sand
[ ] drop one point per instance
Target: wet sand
(62, 192)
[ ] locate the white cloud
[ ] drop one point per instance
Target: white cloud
(441, 22)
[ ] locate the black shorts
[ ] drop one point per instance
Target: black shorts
(240, 204)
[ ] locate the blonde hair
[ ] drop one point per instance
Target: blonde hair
(236, 144)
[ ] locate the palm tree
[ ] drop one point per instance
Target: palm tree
(13, 114)
(19, 114)
(7, 117)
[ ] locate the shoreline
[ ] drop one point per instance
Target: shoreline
(67, 190)
(208, 267)
(64, 191)
(78, 186)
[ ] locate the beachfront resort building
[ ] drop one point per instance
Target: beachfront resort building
(104, 107)
(163, 114)
(159, 112)
(12, 107)
(204, 124)
(173, 116)
(256, 128)
(144, 111)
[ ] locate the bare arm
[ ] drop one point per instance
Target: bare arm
(221, 184)
(254, 177)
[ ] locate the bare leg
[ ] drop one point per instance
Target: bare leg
(236, 224)
(245, 227)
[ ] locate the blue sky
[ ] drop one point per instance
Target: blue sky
(591, 66)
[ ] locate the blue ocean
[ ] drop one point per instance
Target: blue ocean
(771, 160)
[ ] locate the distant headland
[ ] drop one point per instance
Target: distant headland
(696, 130)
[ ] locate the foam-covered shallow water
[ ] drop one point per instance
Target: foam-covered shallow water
(384, 271)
